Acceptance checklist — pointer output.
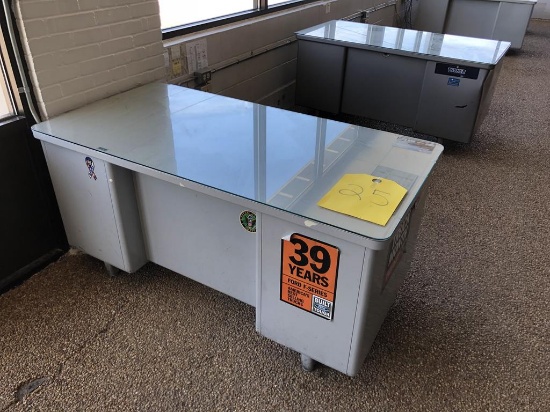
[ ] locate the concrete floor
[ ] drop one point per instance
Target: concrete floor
(470, 330)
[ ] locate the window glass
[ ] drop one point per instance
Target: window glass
(6, 108)
(6, 105)
(275, 2)
(179, 12)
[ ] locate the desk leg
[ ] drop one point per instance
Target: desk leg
(308, 364)
(111, 270)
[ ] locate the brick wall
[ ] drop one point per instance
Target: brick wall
(80, 51)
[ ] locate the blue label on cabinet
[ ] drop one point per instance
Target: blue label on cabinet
(453, 82)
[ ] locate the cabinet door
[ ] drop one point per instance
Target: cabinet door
(449, 104)
(512, 22)
(471, 18)
(430, 15)
(382, 86)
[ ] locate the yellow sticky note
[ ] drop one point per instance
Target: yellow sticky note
(366, 197)
(176, 67)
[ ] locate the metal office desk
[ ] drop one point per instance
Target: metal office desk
(437, 84)
(221, 190)
(488, 19)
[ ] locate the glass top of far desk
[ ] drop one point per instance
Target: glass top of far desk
(441, 47)
(275, 157)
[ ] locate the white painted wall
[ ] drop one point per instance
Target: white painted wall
(80, 51)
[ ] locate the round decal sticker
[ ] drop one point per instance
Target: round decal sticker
(248, 221)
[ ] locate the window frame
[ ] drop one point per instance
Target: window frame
(260, 8)
(10, 80)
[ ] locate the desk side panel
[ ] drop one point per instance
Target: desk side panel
(382, 86)
(471, 18)
(449, 105)
(97, 206)
(125, 209)
(198, 236)
(431, 15)
(380, 284)
(320, 74)
(326, 341)
(512, 22)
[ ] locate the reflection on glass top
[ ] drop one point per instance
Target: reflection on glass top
(272, 156)
(533, 2)
(404, 41)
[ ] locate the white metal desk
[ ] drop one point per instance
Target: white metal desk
(215, 188)
(438, 84)
(488, 19)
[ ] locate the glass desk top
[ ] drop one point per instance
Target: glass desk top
(432, 46)
(271, 156)
(532, 2)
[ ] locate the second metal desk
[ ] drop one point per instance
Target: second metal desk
(437, 84)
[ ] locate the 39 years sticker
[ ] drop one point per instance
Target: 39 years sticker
(309, 273)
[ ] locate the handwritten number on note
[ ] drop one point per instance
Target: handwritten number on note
(364, 196)
(379, 198)
(355, 191)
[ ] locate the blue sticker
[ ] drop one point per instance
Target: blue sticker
(453, 81)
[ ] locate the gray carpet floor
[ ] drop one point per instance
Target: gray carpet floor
(470, 330)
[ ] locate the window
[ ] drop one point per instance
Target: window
(9, 103)
(180, 12)
(275, 2)
(179, 17)
(6, 107)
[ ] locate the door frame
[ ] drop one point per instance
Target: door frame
(25, 187)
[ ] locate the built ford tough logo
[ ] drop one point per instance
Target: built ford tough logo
(455, 70)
